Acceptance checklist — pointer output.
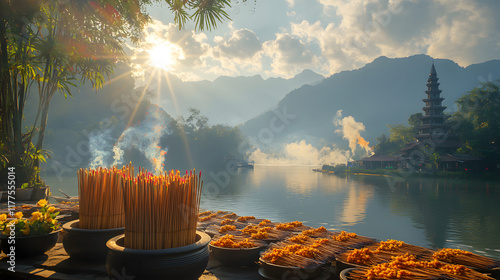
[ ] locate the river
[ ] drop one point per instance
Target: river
(428, 212)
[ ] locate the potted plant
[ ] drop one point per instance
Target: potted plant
(33, 236)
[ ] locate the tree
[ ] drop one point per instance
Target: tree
(193, 142)
(400, 135)
(53, 44)
(477, 121)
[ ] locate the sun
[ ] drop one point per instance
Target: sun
(165, 55)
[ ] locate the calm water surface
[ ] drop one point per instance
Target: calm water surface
(434, 213)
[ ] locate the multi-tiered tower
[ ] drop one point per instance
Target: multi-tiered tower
(433, 121)
(435, 131)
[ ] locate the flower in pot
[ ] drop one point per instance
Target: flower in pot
(31, 236)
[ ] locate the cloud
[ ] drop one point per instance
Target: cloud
(465, 31)
(289, 55)
(329, 36)
(242, 45)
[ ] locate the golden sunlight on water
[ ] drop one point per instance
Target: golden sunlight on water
(354, 210)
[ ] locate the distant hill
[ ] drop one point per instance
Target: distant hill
(385, 91)
(230, 100)
(103, 115)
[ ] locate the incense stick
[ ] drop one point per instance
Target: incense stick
(101, 197)
(161, 211)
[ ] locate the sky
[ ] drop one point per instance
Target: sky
(280, 38)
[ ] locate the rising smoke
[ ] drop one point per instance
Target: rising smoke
(99, 147)
(146, 138)
(301, 153)
(351, 131)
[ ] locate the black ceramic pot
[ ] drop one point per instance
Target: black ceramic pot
(341, 265)
(29, 246)
(236, 256)
(87, 244)
(39, 193)
(274, 271)
(344, 274)
(181, 263)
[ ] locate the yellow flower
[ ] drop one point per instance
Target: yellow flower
(49, 220)
(18, 215)
(41, 203)
(51, 209)
(3, 217)
(35, 216)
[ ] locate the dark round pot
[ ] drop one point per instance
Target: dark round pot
(236, 256)
(23, 194)
(29, 246)
(181, 263)
(87, 244)
(344, 274)
(341, 265)
(289, 272)
(39, 193)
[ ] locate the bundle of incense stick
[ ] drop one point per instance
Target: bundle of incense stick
(101, 197)
(406, 267)
(378, 253)
(293, 255)
(161, 211)
(457, 256)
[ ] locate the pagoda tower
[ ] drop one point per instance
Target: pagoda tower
(434, 125)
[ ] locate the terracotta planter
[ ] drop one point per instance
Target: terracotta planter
(23, 194)
(181, 263)
(87, 244)
(29, 246)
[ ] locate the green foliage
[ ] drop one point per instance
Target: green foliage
(400, 135)
(477, 120)
(435, 158)
(193, 142)
(57, 45)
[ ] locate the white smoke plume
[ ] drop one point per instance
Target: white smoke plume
(301, 153)
(351, 131)
(146, 138)
(99, 148)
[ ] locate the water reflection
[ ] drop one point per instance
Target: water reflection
(355, 206)
(452, 212)
(426, 212)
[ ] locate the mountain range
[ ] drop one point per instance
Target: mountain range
(228, 100)
(384, 92)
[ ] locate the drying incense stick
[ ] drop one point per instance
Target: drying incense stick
(101, 197)
(161, 211)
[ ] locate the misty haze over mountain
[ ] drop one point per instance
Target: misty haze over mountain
(386, 91)
(228, 100)
(306, 123)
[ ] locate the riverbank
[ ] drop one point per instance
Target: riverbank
(402, 173)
